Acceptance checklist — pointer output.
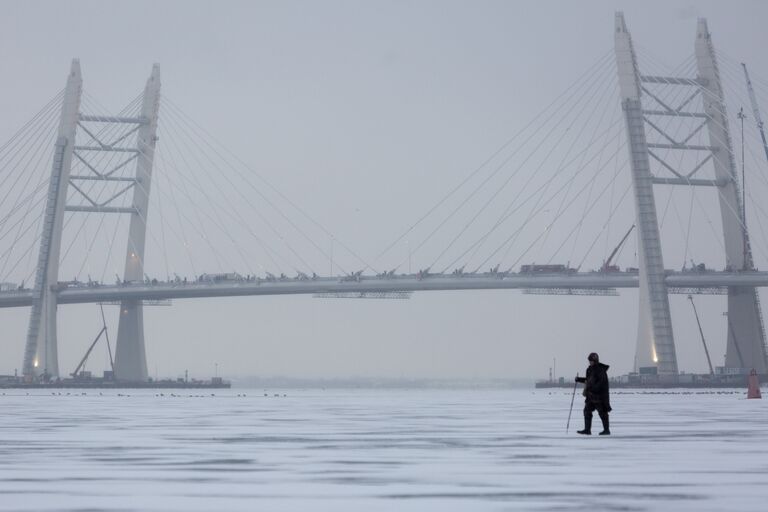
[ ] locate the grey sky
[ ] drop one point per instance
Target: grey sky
(365, 114)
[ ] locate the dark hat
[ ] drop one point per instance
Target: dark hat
(593, 357)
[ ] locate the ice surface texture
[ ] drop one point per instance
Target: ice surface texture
(379, 450)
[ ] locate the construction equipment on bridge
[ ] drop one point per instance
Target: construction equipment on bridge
(223, 277)
(607, 267)
(561, 269)
(545, 269)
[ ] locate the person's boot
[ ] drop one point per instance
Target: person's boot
(606, 430)
(587, 427)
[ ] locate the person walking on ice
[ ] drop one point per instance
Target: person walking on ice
(596, 394)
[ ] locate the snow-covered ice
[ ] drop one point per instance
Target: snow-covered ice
(372, 450)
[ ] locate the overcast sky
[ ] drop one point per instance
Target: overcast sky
(365, 114)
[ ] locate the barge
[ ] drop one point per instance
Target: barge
(85, 381)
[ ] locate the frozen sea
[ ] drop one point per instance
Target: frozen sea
(374, 450)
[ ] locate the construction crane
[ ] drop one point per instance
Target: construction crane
(755, 109)
(88, 352)
(706, 351)
(607, 267)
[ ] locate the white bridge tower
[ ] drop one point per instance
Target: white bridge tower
(41, 351)
(655, 342)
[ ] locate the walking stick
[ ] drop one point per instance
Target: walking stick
(567, 425)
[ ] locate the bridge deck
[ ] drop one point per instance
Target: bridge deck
(373, 284)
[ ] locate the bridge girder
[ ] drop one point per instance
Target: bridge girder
(676, 281)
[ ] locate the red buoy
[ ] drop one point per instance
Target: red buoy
(753, 389)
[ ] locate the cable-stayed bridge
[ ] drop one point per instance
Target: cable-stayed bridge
(554, 190)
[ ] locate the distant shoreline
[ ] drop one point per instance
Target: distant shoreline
(377, 383)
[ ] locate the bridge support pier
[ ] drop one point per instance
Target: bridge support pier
(130, 354)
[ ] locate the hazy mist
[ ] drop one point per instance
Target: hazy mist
(365, 114)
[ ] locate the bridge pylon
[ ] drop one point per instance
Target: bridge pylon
(655, 339)
(41, 351)
(655, 343)
(746, 331)
(130, 353)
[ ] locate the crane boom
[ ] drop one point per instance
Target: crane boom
(88, 352)
(706, 351)
(616, 249)
(755, 109)
(98, 336)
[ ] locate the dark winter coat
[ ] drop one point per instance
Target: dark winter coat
(596, 390)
